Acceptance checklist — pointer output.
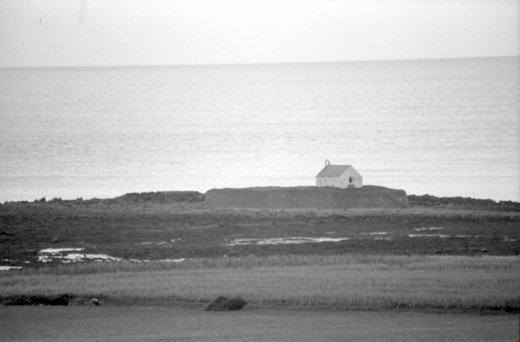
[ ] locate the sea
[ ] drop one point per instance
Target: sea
(442, 127)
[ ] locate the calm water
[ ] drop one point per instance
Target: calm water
(445, 127)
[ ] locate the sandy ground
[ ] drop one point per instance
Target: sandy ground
(139, 323)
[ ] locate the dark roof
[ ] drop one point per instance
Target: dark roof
(333, 170)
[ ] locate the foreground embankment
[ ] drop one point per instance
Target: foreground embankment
(307, 197)
(144, 323)
(342, 282)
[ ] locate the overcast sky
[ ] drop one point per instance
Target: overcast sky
(168, 32)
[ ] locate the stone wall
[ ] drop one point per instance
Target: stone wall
(307, 198)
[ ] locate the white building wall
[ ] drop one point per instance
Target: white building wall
(342, 181)
(327, 181)
(358, 181)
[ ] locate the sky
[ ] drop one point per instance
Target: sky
(35, 33)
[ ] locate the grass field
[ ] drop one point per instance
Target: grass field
(343, 281)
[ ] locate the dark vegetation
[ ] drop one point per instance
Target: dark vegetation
(462, 203)
(226, 304)
(130, 198)
(161, 197)
(63, 299)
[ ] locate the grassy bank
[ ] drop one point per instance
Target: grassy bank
(153, 323)
(344, 282)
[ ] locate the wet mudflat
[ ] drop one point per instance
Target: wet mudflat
(140, 323)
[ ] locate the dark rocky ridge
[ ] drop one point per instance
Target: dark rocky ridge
(461, 203)
(161, 197)
(307, 197)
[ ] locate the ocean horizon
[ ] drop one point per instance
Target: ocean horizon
(441, 127)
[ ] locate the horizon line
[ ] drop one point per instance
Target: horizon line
(254, 63)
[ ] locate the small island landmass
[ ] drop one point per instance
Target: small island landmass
(357, 242)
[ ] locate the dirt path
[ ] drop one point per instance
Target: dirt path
(177, 324)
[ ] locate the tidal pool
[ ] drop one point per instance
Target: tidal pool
(285, 240)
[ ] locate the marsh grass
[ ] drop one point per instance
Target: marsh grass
(344, 281)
